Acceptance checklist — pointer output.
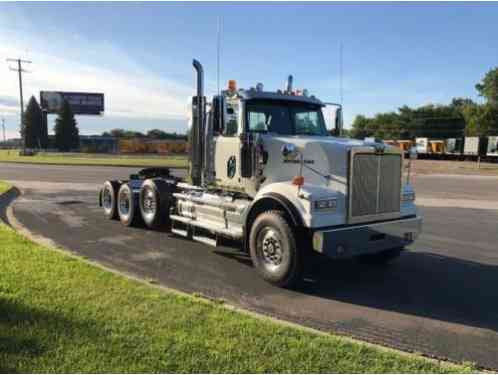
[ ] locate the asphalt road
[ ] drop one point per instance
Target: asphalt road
(439, 298)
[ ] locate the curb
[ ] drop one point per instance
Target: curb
(47, 242)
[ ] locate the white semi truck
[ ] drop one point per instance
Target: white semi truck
(265, 171)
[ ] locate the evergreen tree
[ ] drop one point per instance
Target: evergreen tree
(66, 129)
(33, 125)
(44, 132)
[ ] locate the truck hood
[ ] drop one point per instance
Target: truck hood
(323, 156)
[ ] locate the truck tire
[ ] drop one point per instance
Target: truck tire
(127, 206)
(108, 199)
(155, 201)
(274, 250)
(381, 259)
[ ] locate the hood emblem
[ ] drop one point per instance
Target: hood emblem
(379, 148)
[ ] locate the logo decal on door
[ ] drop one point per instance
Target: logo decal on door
(231, 167)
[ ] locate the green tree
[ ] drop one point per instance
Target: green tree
(362, 127)
(157, 134)
(481, 120)
(66, 129)
(122, 133)
(488, 87)
(33, 125)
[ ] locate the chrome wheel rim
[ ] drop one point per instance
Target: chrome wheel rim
(271, 248)
(107, 199)
(149, 202)
(124, 202)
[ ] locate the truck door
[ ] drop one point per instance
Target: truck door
(227, 147)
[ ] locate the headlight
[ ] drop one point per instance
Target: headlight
(408, 197)
(326, 204)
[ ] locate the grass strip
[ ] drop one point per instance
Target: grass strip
(12, 156)
(61, 314)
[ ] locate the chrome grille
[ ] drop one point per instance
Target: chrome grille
(375, 184)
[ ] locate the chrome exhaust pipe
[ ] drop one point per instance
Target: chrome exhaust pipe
(197, 131)
(289, 84)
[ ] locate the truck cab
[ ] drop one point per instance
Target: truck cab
(267, 171)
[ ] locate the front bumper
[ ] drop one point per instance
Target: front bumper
(347, 242)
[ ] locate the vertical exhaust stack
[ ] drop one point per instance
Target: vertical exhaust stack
(289, 84)
(197, 131)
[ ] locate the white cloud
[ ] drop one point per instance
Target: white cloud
(130, 90)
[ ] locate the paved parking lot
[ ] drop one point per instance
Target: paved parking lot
(440, 298)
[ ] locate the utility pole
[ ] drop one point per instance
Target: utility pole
(20, 70)
(3, 128)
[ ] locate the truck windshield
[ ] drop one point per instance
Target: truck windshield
(286, 118)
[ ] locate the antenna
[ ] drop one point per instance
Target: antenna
(218, 53)
(340, 73)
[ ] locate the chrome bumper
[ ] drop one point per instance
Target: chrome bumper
(347, 242)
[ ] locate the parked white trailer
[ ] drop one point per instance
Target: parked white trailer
(454, 146)
(422, 145)
(492, 149)
(265, 171)
(471, 146)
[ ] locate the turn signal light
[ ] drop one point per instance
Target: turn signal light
(298, 181)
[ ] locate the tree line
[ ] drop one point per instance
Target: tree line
(151, 134)
(461, 117)
(34, 129)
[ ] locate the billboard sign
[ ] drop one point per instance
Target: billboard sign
(82, 103)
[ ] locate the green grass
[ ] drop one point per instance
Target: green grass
(61, 314)
(12, 156)
(4, 187)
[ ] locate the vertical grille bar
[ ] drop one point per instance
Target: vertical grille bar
(364, 185)
(375, 184)
(390, 184)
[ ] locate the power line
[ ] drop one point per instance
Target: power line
(20, 70)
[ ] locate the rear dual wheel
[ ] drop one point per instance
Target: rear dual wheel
(155, 201)
(108, 199)
(127, 206)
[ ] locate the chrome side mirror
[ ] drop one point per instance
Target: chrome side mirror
(289, 151)
(338, 122)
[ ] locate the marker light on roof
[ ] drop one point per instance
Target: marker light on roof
(232, 85)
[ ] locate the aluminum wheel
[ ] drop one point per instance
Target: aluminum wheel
(124, 202)
(149, 202)
(107, 199)
(270, 248)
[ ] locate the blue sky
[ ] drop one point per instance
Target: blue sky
(139, 54)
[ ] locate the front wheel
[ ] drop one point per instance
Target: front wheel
(274, 251)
